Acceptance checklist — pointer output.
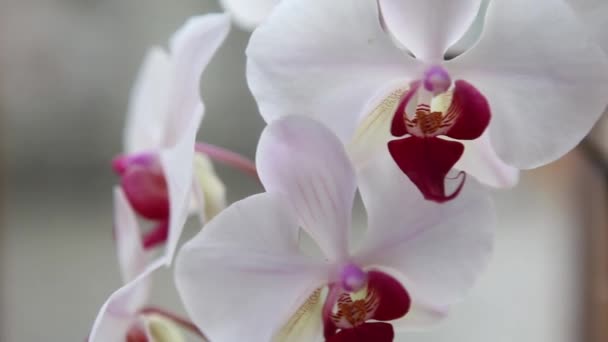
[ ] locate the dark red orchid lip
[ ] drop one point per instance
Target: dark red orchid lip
(386, 300)
(425, 157)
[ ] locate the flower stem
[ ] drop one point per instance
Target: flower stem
(227, 157)
(183, 322)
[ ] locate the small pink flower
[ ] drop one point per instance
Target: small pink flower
(245, 276)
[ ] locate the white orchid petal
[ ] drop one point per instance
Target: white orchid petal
(545, 80)
(243, 276)
(131, 255)
(248, 14)
(481, 161)
(120, 310)
(305, 161)
(325, 59)
(428, 28)
(178, 168)
(594, 14)
(192, 47)
(439, 248)
(148, 105)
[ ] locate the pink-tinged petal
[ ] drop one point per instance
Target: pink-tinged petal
(594, 15)
(427, 162)
(131, 255)
(395, 302)
(157, 235)
(178, 167)
(471, 110)
(146, 189)
(481, 161)
(428, 28)
(545, 79)
(326, 59)
(148, 105)
(120, 311)
(243, 276)
(439, 249)
(305, 161)
(248, 14)
(192, 47)
(377, 332)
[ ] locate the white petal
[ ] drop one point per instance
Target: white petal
(249, 13)
(594, 14)
(243, 276)
(305, 161)
(545, 80)
(325, 59)
(192, 47)
(429, 27)
(178, 168)
(440, 249)
(131, 255)
(480, 161)
(120, 311)
(148, 105)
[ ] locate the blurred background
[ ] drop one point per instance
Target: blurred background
(66, 68)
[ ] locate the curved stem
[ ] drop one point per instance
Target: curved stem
(227, 157)
(183, 322)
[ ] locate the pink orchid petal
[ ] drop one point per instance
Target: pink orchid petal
(545, 80)
(440, 249)
(178, 167)
(325, 59)
(471, 110)
(148, 105)
(131, 255)
(306, 162)
(192, 47)
(244, 275)
(395, 301)
(428, 28)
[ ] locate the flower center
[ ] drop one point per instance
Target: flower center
(353, 278)
(352, 313)
(437, 80)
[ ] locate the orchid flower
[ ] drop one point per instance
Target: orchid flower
(523, 95)
(157, 170)
(244, 277)
(122, 317)
(248, 14)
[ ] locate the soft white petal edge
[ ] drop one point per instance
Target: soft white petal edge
(120, 309)
(594, 14)
(192, 48)
(303, 160)
(243, 276)
(178, 168)
(546, 80)
(248, 14)
(146, 116)
(429, 27)
(481, 161)
(323, 59)
(440, 249)
(131, 255)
